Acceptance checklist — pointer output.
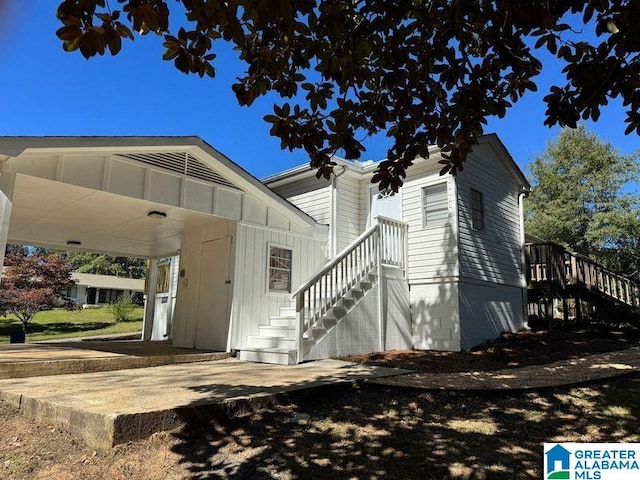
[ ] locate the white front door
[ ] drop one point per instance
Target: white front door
(384, 203)
(212, 325)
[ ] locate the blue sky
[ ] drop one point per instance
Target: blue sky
(46, 91)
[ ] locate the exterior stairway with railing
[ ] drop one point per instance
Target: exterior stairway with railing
(327, 298)
(554, 272)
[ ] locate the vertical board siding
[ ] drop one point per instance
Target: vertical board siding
(311, 195)
(188, 286)
(493, 255)
(252, 304)
(351, 216)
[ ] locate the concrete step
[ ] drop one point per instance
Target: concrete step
(279, 356)
(276, 331)
(271, 342)
(282, 321)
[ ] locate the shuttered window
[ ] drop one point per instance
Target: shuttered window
(477, 210)
(279, 269)
(435, 206)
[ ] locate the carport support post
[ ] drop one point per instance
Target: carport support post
(150, 299)
(7, 181)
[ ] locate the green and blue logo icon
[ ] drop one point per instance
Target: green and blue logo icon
(557, 463)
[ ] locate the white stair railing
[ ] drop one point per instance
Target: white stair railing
(382, 244)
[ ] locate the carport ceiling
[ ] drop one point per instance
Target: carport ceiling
(49, 213)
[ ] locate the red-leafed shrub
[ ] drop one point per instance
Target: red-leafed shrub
(33, 283)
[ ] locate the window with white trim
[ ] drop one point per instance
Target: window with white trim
(435, 206)
(279, 278)
(477, 210)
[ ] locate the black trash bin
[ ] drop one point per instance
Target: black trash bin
(17, 336)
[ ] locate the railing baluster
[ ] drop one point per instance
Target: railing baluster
(384, 243)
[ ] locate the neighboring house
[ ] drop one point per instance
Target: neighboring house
(339, 268)
(92, 289)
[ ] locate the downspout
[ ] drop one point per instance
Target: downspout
(524, 193)
(333, 233)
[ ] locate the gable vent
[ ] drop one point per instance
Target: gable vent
(179, 162)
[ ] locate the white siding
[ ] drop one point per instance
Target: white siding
(350, 213)
(494, 254)
(432, 251)
(488, 310)
(189, 283)
(252, 304)
(311, 195)
(435, 316)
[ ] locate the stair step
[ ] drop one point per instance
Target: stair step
(280, 356)
(282, 321)
(257, 341)
(287, 311)
(276, 331)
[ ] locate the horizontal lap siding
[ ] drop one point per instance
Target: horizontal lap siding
(311, 195)
(493, 255)
(432, 252)
(350, 212)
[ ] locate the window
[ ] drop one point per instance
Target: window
(477, 210)
(279, 269)
(435, 206)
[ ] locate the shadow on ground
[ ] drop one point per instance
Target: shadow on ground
(374, 432)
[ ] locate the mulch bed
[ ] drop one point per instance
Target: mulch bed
(511, 350)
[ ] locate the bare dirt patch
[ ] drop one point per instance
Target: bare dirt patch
(363, 432)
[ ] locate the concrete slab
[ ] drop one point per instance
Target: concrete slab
(58, 358)
(105, 409)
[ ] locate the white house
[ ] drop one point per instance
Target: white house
(338, 268)
(93, 289)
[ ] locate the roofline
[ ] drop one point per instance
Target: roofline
(365, 167)
(17, 146)
(304, 169)
(495, 139)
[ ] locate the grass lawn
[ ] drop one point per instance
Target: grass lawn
(54, 324)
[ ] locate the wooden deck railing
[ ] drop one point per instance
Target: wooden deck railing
(552, 266)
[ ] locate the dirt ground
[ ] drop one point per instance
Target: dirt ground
(361, 432)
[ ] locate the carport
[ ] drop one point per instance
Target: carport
(144, 197)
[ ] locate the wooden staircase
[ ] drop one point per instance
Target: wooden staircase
(554, 272)
(327, 298)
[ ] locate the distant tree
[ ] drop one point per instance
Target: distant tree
(33, 283)
(421, 72)
(584, 196)
(86, 262)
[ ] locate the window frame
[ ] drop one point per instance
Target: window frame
(473, 209)
(423, 204)
(288, 248)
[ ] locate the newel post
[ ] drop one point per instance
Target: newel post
(299, 327)
(380, 287)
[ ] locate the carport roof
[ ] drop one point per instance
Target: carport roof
(23, 146)
(66, 204)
